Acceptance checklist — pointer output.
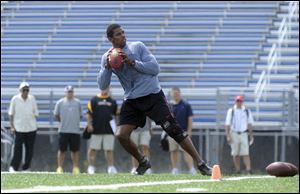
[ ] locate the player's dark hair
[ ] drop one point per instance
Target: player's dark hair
(110, 30)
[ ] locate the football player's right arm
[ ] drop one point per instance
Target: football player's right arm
(105, 73)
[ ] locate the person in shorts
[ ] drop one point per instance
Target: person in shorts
(102, 110)
(68, 113)
(143, 97)
(183, 113)
(239, 122)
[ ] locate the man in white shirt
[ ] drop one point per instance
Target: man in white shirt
(22, 113)
(239, 123)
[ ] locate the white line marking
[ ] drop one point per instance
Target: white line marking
(193, 190)
(31, 172)
(121, 185)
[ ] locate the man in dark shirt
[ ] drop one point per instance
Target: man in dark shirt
(101, 111)
(183, 113)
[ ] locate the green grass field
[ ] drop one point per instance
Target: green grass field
(125, 183)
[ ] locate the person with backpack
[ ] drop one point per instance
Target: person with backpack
(239, 134)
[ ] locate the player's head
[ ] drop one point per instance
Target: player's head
(239, 100)
(176, 94)
(69, 90)
(116, 35)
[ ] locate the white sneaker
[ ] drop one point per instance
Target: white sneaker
(133, 171)
(175, 171)
(11, 169)
(91, 170)
(112, 170)
(149, 171)
(193, 171)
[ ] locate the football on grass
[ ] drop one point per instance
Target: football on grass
(115, 59)
(281, 169)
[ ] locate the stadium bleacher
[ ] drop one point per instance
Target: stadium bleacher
(200, 46)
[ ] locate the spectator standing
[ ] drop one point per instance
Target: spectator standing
(22, 112)
(239, 123)
(101, 112)
(68, 112)
(183, 113)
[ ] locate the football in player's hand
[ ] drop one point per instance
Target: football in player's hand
(281, 169)
(115, 59)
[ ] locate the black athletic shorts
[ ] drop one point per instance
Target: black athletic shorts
(155, 106)
(69, 139)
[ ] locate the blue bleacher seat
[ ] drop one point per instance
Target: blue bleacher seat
(197, 44)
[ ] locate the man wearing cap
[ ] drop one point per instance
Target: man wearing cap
(22, 113)
(68, 112)
(238, 126)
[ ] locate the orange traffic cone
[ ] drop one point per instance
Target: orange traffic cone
(216, 173)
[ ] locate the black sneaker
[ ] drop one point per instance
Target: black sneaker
(204, 169)
(143, 167)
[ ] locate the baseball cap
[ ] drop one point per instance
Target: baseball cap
(239, 98)
(69, 88)
(23, 84)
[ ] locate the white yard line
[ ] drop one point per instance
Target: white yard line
(192, 190)
(30, 172)
(121, 185)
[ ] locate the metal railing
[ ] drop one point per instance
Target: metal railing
(224, 98)
(274, 57)
(7, 142)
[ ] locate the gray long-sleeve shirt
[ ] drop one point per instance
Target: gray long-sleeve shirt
(140, 80)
